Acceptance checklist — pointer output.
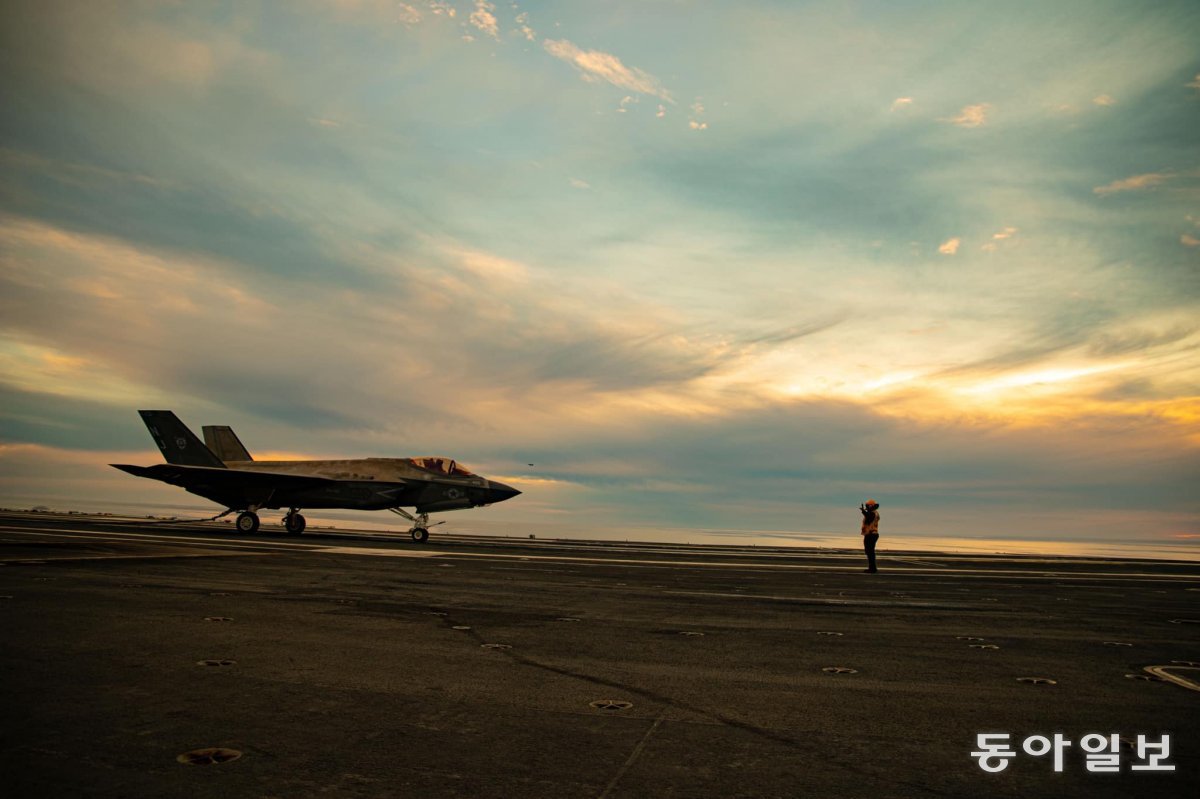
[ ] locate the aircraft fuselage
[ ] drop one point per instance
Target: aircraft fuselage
(375, 484)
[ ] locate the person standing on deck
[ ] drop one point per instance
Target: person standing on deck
(870, 531)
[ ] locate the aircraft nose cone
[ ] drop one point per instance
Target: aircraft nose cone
(498, 492)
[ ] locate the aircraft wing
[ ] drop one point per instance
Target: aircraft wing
(220, 478)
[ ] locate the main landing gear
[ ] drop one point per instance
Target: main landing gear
(247, 522)
(421, 525)
(294, 522)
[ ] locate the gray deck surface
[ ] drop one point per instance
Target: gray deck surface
(350, 677)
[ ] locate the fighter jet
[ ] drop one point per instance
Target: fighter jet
(223, 472)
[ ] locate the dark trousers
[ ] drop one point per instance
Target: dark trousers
(869, 546)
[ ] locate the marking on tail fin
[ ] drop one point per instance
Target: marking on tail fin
(177, 443)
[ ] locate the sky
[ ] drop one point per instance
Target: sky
(657, 264)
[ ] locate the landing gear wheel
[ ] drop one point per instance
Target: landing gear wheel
(420, 535)
(294, 523)
(247, 522)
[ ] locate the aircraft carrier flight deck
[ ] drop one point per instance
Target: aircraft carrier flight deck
(152, 659)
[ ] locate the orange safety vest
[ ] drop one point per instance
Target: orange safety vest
(873, 525)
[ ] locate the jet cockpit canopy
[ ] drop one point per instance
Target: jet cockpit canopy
(440, 465)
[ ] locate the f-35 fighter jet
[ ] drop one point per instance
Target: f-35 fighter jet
(223, 472)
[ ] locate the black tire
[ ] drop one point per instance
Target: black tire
(420, 535)
(294, 523)
(247, 522)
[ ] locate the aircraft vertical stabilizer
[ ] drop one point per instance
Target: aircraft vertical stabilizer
(224, 443)
(179, 445)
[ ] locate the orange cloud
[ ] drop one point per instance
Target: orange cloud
(483, 18)
(950, 247)
(523, 21)
(596, 66)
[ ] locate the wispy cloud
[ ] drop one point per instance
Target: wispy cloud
(600, 66)
(1195, 84)
(902, 102)
(950, 247)
(696, 122)
(407, 14)
(72, 173)
(1189, 241)
(561, 346)
(375, 11)
(383, 11)
(580, 184)
(1135, 183)
(1104, 100)
(1007, 234)
(1139, 339)
(483, 18)
(523, 28)
(971, 116)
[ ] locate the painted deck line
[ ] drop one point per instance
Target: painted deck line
(998, 573)
(868, 603)
(985, 573)
(1169, 674)
(103, 535)
(36, 561)
(918, 562)
(378, 553)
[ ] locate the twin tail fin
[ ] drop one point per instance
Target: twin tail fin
(225, 444)
(179, 445)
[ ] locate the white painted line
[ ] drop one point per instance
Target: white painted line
(160, 555)
(1014, 574)
(822, 601)
(1167, 673)
(248, 546)
(181, 539)
(920, 563)
(378, 553)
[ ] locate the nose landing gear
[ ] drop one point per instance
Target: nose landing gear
(421, 525)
